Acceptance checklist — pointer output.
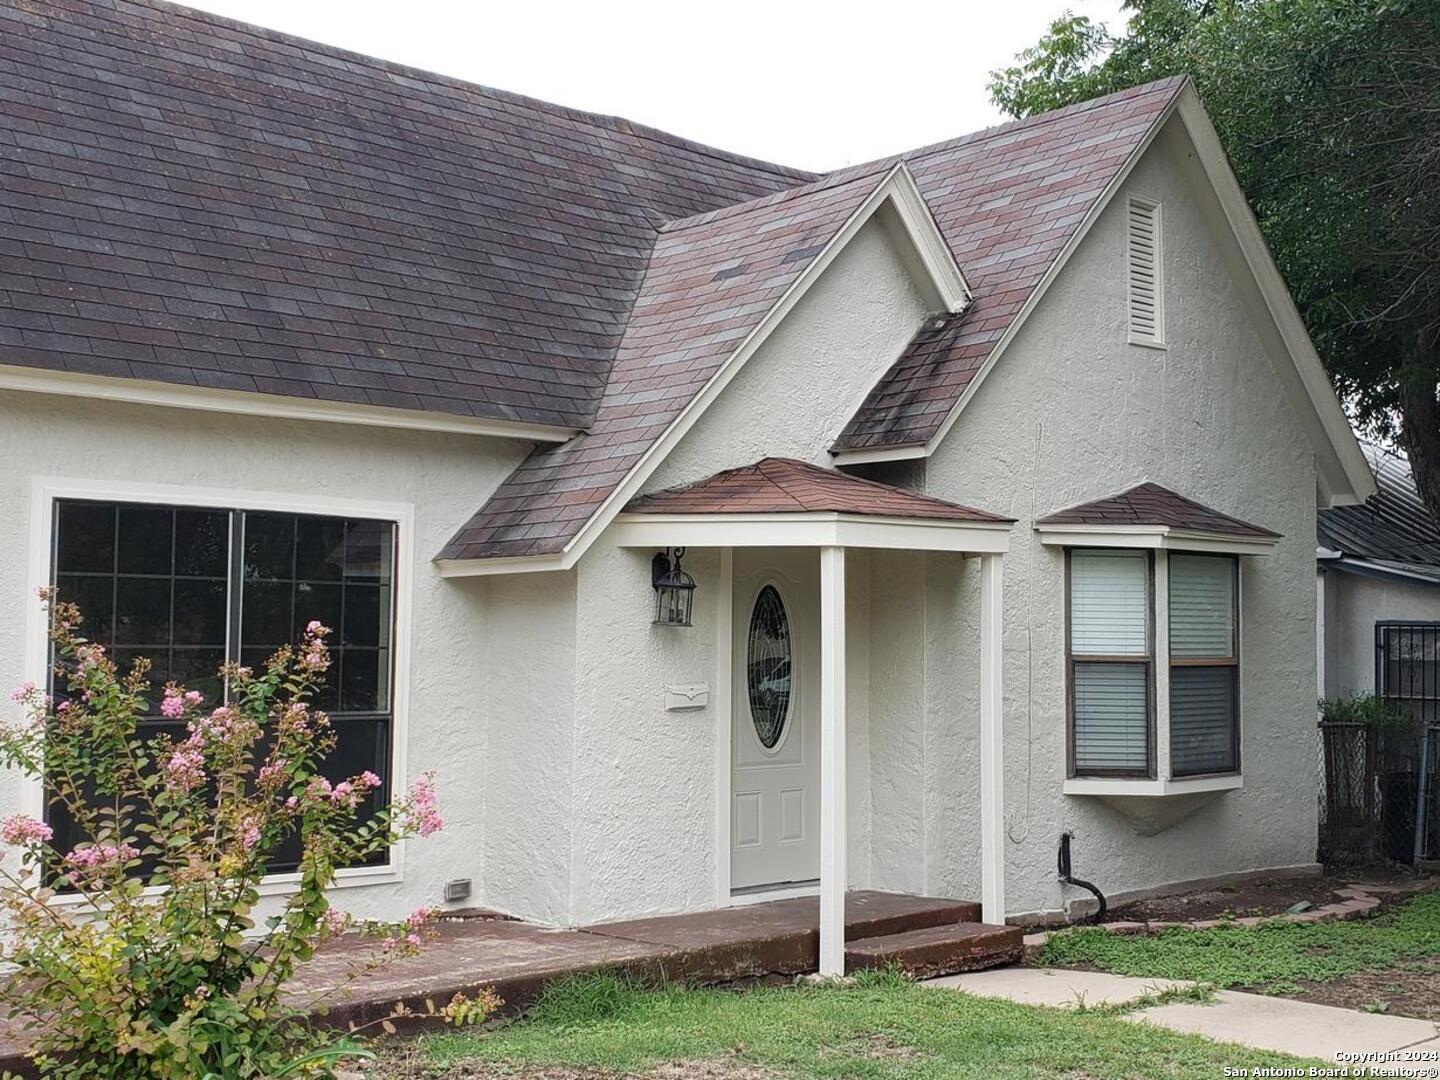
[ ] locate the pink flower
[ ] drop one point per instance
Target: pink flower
(173, 707)
(418, 812)
(420, 917)
(369, 779)
(194, 698)
(250, 836)
(412, 939)
(100, 856)
(185, 771)
(22, 693)
(315, 628)
(336, 922)
(19, 829)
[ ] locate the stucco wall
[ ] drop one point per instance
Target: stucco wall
(1072, 413)
(526, 675)
(1353, 605)
(444, 477)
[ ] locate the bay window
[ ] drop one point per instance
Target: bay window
(193, 587)
(1138, 620)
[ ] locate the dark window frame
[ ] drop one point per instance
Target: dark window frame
(1072, 771)
(234, 579)
(1232, 662)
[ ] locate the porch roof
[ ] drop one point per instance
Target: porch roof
(785, 502)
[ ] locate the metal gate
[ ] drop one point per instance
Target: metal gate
(1407, 673)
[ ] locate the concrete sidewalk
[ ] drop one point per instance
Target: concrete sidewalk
(1254, 1020)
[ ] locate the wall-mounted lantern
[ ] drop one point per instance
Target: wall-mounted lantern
(674, 589)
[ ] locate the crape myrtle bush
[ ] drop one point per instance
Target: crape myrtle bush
(154, 965)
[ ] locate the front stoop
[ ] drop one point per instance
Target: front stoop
(939, 950)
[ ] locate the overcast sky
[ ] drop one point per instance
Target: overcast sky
(815, 85)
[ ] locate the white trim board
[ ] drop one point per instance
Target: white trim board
(1354, 484)
(277, 406)
(809, 530)
(898, 191)
(1156, 537)
(44, 490)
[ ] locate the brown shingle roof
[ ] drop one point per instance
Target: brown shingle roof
(1008, 199)
(711, 280)
(785, 485)
(1151, 504)
(192, 200)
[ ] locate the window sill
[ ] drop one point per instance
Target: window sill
(1080, 785)
(277, 884)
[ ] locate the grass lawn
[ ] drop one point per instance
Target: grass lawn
(882, 1027)
(1274, 957)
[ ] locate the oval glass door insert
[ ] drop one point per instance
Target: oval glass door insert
(768, 667)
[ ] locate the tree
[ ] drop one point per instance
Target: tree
(1330, 113)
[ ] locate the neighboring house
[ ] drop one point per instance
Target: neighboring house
(1379, 589)
(995, 466)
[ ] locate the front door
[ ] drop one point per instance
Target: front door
(775, 744)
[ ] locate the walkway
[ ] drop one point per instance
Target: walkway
(1254, 1020)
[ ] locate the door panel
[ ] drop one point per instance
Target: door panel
(775, 742)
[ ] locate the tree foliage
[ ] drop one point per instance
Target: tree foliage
(1330, 113)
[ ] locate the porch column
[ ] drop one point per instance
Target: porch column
(992, 767)
(832, 761)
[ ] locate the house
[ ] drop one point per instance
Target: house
(1378, 590)
(994, 467)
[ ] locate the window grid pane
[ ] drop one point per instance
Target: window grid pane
(1202, 720)
(1112, 717)
(1202, 606)
(1109, 603)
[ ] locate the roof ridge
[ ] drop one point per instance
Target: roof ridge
(595, 119)
(828, 182)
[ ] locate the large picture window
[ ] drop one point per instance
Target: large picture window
(191, 588)
(1111, 656)
(1204, 665)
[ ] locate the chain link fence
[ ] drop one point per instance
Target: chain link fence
(1380, 782)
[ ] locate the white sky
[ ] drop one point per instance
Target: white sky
(814, 85)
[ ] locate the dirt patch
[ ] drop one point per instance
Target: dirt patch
(1410, 989)
(401, 1060)
(1257, 897)
(880, 1047)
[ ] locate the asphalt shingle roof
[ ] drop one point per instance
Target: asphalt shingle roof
(785, 485)
(188, 199)
(711, 279)
(193, 200)
(1151, 504)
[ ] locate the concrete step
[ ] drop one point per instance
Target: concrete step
(939, 950)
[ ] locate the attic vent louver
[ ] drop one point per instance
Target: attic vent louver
(1143, 269)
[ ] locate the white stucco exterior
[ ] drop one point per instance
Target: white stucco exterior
(571, 795)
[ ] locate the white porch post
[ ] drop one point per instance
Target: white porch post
(832, 761)
(992, 766)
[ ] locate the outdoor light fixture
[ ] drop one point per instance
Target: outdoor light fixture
(674, 589)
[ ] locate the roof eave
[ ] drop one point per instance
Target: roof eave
(1156, 537)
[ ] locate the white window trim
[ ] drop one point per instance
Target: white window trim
(1158, 341)
(1164, 782)
(44, 492)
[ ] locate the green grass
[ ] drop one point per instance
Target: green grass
(882, 1027)
(1272, 957)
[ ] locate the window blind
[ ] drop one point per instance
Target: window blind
(1202, 606)
(1112, 717)
(1202, 720)
(1108, 603)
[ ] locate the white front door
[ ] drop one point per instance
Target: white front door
(775, 743)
